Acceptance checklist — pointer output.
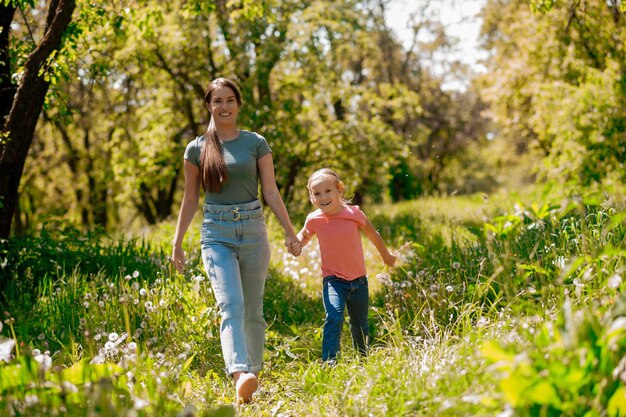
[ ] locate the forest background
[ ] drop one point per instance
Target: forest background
(327, 86)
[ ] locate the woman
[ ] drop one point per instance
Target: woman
(228, 163)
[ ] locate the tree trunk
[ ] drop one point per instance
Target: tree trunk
(19, 127)
(7, 88)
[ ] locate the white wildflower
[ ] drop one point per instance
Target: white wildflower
(615, 281)
(139, 404)
(44, 360)
(6, 347)
(385, 279)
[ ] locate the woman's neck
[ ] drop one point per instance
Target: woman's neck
(226, 133)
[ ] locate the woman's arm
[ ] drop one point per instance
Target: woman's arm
(374, 237)
(188, 209)
(272, 196)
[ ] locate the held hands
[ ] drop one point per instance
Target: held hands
(293, 245)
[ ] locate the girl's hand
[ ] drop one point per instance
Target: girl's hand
(390, 259)
(178, 258)
(292, 243)
(295, 249)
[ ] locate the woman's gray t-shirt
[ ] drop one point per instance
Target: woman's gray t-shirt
(241, 155)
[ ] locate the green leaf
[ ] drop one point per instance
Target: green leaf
(513, 387)
(543, 393)
(617, 404)
(493, 352)
(222, 411)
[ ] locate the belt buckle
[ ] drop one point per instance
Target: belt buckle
(236, 214)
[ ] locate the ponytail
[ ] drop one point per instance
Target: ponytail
(212, 166)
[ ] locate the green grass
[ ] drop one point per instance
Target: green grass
(496, 302)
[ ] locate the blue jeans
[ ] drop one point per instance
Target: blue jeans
(236, 256)
(337, 294)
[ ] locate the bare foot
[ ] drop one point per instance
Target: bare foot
(246, 386)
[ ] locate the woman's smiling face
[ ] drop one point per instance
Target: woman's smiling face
(326, 194)
(224, 106)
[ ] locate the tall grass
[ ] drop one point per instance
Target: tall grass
(489, 298)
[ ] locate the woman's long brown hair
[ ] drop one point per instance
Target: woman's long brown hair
(212, 166)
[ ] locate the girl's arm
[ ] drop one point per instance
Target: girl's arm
(374, 237)
(275, 201)
(304, 237)
(187, 211)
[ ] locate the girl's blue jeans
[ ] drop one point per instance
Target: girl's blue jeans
(338, 294)
(236, 255)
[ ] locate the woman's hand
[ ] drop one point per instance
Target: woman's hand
(178, 258)
(293, 245)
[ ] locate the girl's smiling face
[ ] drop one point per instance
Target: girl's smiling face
(326, 194)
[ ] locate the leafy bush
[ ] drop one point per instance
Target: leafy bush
(572, 367)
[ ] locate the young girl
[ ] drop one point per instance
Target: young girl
(337, 226)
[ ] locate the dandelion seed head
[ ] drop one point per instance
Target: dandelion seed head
(44, 360)
(615, 281)
(135, 274)
(128, 277)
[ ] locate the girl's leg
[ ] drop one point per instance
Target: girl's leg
(334, 297)
(357, 303)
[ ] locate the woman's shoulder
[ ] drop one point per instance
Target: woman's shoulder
(196, 142)
(250, 135)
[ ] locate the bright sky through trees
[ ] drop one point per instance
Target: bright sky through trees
(460, 17)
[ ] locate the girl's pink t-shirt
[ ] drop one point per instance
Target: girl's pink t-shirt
(339, 240)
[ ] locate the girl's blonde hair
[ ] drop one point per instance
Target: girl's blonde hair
(327, 172)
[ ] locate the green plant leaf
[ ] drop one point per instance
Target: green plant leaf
(495, 353)
(543, 393)
(617, 404)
